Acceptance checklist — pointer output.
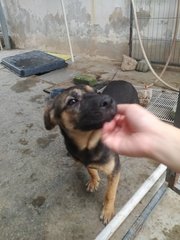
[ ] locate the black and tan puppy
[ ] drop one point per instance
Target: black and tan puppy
(80, 113)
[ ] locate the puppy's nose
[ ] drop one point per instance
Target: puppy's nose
(106, 101)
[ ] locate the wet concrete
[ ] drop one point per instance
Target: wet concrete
(43, 193)
(164, 221)
(24, 85)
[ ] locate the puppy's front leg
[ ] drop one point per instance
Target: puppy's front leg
(93, 183)
(108, 208)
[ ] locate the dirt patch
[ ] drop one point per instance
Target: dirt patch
(37, 99)
(39, 201)
(23, 141)
(174, 233)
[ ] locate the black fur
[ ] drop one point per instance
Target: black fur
(122, 92)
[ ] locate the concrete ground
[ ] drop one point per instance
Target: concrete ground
(43, 192)
(164, 221)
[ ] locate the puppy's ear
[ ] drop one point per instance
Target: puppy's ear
(49, 119)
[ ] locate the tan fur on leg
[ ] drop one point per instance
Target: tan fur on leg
(93, 183)
(108, 208)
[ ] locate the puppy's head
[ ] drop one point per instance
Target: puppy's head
(79, 108)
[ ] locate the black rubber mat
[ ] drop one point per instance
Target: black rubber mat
(32, 63)
(54, 92)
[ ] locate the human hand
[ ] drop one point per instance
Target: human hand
(132, 131)
(136, 132)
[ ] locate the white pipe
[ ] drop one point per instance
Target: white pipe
(119, 218)
(144, 53)
(67, 30)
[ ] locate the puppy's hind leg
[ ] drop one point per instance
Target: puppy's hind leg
(93, 183)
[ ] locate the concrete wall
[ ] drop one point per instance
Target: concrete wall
(97, 27)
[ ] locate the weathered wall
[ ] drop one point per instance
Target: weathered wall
(96, 27)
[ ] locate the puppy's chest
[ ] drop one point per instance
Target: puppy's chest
(98, 154)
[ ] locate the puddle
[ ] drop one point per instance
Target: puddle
(24, 85)
(43, 142)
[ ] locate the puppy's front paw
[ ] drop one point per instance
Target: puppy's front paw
(107, 214)
(92, 185)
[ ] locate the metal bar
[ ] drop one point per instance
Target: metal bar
(171, 175)
(120, 217)
(176, 12)
(170, 178)
(4, 29)
(137, 225)
(130, 30)
(177, 116)
(165, 18)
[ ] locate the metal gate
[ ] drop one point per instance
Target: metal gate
(156, 20)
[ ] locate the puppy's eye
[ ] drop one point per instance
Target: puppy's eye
(72, 101)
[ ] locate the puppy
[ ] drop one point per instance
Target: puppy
(80, 113)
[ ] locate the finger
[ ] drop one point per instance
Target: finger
(109, 126)
(108, 140)
(119, 119)
(132, 108)
(122, 108)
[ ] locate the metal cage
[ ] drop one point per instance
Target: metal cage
(156, 20)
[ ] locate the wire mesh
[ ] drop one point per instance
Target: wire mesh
(162, 104)
(156, 20)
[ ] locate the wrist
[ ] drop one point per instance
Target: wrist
(166, 146)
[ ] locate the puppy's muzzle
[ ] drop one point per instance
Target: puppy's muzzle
(95, 110)
(105, 102)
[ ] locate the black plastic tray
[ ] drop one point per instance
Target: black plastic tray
(33, 62)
